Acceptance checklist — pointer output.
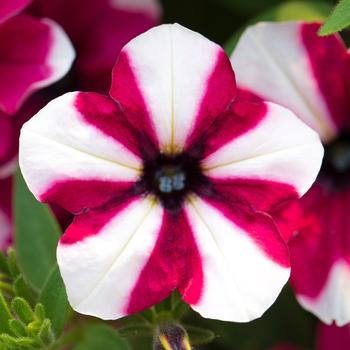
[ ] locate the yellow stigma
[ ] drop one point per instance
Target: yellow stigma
(164, 342)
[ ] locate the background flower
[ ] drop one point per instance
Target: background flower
(289, 64)
(99, 29)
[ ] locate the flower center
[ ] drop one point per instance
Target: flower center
(335, 171)
(171, 178)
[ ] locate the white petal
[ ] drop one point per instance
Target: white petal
(240, 280)
(101, 270)
(271, 61)
(280, 148)
(58, 144)
(172, 66)
(333, 303)
(60, 57)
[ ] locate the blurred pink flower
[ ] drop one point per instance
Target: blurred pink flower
(288, 63)
(34, 53)
(99, 29)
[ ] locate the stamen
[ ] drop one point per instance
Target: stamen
(171, 178)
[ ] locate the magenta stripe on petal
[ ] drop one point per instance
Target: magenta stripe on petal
(78, 196)
(25, 46)
(9, 8)
(106, 115)
(241, 117)
(240, 203)
(91, 222)
(8, 139)
(323, 239)
(219, 94)
(126, 91)
(329, 58)
(260, 195)
(175, 263)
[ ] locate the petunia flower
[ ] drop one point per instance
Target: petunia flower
(99, 29)
(288, 63)
(169, 179)
(33, 54)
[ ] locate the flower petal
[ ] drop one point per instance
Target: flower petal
(175, 263)
(77, 137)
(34, 54)
(259, 195)
(100, 32)
(278, 148)
(245, 261)
(9, 8)
(102, 267)
(320, 255)
(6, 226)
(183, 81)
(288, 63)
(333, 337)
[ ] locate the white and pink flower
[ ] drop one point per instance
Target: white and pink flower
(33, 54)
(99, 29)
(170, 180)
(288, 63)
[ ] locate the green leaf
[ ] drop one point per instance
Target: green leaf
(288, 11)
(5, 315)
(102, 337)
(37, 234)
(338, 20)
(54, 299)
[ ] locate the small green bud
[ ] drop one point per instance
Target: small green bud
(8, 340)
(39, 312)
(22, 310)
(46, 333)
(34, 327)
(18, 328)
(26, 342)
